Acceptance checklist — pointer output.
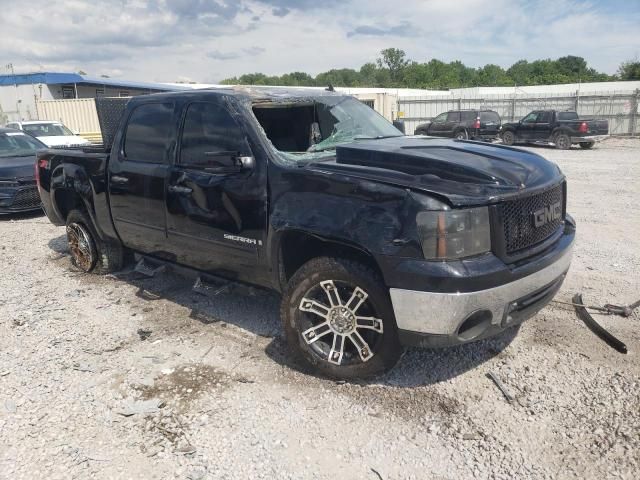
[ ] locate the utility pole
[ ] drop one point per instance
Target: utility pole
(9, 67)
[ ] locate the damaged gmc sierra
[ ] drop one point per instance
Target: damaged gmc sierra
(375, 240)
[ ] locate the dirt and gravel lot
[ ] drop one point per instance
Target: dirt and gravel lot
(104, 377)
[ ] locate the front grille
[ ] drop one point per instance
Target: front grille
(26, 198)
(517, 219)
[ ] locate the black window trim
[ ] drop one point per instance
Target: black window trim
(123, 154)
(183, 119)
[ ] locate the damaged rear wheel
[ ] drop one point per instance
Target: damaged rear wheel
(81, 246)
(338, 319)
(89, 253)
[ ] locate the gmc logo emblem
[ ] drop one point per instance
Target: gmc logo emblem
(547, 214)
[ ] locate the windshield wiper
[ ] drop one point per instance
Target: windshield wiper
(379, 137)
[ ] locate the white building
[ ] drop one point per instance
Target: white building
(19, 93)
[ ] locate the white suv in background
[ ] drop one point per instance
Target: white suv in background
(52, 134)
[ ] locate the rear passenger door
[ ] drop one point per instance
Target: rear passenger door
(138, 170)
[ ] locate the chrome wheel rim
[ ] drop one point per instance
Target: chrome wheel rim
(338, 331)
(81, 247)
(507, 138)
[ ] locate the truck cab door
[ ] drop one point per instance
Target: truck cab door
(216, 195)
(438, 126)
(138, 169)
(542, 130)
(526, 128)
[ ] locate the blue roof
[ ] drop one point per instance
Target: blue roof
(54, 78)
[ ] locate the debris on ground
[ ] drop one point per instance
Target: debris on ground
(595, 327)
(510, 398)
(144, 334)
(149, 270)
(622, 310)
(141, 407)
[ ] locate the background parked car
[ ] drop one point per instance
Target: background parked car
(52, 134)
(561, 128)
(18, 190)
(463, 124)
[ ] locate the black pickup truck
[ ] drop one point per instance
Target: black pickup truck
(463, 125)
(551, 126)
(376, 240)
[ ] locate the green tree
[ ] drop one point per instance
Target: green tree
(297, 79)
(393, 69)
(629, 70)
(393, 59)
(493, 76)
(343, 77)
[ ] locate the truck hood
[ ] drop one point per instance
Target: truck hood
(63, 141)
(17, 167)
(462, 172)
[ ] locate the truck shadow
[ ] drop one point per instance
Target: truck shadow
(257, 311)
(419, 366)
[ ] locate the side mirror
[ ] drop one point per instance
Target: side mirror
(399, 124)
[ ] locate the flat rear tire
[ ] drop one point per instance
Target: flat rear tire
(89, 253)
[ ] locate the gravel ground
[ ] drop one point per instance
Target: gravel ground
(106, 377)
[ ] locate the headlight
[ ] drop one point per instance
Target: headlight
(454, 234)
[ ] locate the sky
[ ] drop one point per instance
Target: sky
(209, 40)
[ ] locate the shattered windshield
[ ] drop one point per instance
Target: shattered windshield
(310, 130)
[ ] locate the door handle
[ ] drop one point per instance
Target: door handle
(119, 180)
(180, 189)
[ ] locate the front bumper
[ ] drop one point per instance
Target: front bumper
(19, 199)
(443, 318)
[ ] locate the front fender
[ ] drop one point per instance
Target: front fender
(373, 217)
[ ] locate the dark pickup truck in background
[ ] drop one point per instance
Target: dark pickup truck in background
(551, 126)
(376, 240)
(463, 125)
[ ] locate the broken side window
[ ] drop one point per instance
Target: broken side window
(310, 130)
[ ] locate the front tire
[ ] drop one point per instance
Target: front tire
(338, 319)
(586, 145)
(562, 141)
(89, 253)
(508, 138)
